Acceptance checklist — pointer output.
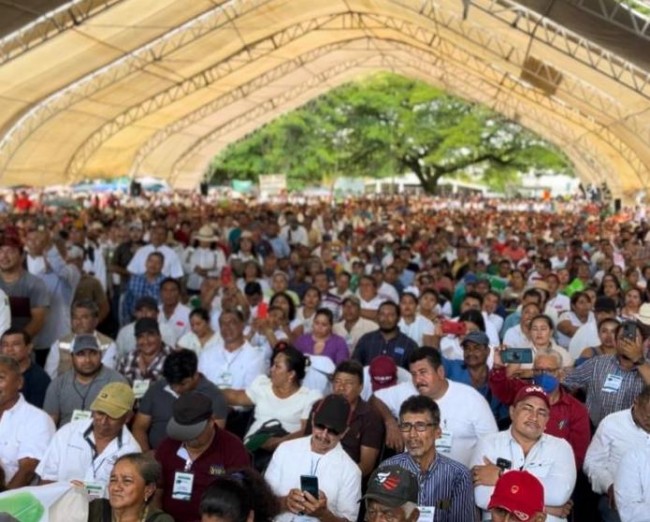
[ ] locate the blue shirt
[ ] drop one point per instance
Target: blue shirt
(457, 371)
(446, 485)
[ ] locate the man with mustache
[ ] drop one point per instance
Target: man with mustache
(322, 456)
(526, 447)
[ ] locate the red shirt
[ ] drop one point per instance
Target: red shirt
(568, 420)
(225, 453)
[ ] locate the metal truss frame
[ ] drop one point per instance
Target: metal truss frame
(568, 42)
(49, 25)
(522, 19)
(455, 77)
(364, 21)
(617, 13)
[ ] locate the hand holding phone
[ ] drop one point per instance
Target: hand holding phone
(309, 484)
(517, 356)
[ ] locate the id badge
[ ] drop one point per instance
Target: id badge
(183, 483)
(81, 415)
(443, 444)
(612, 383)
(426, 513)
(225, 380)
(140, 387)
(94, 490)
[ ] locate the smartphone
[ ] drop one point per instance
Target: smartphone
(262, 310)
(456, 328)
(309, 483)
(629, 330)
(503, 464)
(517, 356)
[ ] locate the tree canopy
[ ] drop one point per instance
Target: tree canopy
(387, 125)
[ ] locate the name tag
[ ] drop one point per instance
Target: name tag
(225, 380)
(140, 387)
(443, 444)
(612, 383)
(426, 513)
(183, 483)
(81, 415)
(94, 490)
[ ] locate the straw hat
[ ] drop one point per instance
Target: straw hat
(206, 233)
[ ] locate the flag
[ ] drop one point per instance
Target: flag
(57, 502)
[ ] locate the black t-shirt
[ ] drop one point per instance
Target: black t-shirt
(35, 383)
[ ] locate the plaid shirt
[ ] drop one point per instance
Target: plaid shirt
(591, 377)
(128, 366)
(139, 286)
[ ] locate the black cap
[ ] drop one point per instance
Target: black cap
(146, 325)
(191, 414)
(333, 412)
(392, 486)
(146, 302)
(605, 304)
(85, 342)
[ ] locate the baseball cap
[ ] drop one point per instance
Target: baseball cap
(190, 415)
(531, 391)
(392, 486)
(146, 325)
(85, 342)
(470, 279)
(520, 493)
(333, 412)
(476, 337)
(605, 304)
(383, 372)
(115, 400)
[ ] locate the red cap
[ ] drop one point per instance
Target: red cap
(532, 391)
(519, 493)
(383, 372)
(9, 237)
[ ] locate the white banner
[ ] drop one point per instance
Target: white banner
(57, 502)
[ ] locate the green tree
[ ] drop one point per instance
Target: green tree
(387, 125)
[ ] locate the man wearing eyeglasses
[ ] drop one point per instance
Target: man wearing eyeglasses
(525, 446)
(322, 460)
(392, 495)
(445, 493)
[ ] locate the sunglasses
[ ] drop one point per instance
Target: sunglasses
(322, 427)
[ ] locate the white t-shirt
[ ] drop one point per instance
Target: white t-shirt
(420, 327)
(289, 411)
(25, 432)
(465, 416)
(179, 321)
(585, 336)
(172, 266)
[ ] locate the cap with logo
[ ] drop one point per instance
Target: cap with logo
(532, 391)
(190, 415)
(383, 372)
(85, 342)
(146, 325)
(333, 412)
(115, 400)
(392, 486)
(520, 493)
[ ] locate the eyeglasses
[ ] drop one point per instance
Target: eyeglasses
(322, 427)
(420, 427)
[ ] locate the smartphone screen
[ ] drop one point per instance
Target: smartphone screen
(309, 483)
(517, 356)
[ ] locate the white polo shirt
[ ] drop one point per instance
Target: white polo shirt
(416, 330)
(70, 454)
(632, 486)
(25, 432)
(236, 369)
(551, 460)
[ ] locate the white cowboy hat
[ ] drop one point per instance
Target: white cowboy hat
(205, 233)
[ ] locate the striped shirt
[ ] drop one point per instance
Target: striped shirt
(446, 485)
(592, 375)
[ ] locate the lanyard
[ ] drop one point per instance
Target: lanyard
(84, 396)
(93, 449)
(314, 465)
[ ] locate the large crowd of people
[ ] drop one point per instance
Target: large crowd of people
(403, 358)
